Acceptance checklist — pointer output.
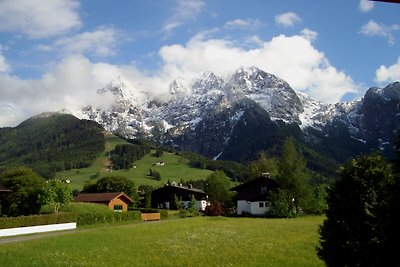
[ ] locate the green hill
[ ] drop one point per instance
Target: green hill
(175, 168)
(62, 146)
(51, 142)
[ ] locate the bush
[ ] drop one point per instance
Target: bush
(182, 213)
(33, 220)
(281, 206)
(215, 209)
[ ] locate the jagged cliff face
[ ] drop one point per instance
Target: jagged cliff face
(250, 110)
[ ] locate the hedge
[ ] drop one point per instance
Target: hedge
(106, 217)
(92, 213)
(34, 220)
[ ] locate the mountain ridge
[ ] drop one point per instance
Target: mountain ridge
(204, 115)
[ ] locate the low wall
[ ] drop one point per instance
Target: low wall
(37, 229)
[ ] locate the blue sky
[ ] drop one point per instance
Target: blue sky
(56, 54)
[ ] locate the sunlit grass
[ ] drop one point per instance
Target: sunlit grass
(200, 241)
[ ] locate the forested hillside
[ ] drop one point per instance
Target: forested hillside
(51, 142)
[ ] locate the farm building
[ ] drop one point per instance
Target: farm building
(165, 197)
(117, 201)
(252, 197)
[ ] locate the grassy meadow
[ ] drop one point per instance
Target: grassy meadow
(175, 168)
(199, 241)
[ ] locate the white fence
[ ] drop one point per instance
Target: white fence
(37, 229)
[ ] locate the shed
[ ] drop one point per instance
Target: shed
(117, 201)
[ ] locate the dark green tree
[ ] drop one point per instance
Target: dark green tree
(26, 186)
(112, 184)
(217, 187)
(354, 232)
(390, 214)
(116, 184)
(159, 152)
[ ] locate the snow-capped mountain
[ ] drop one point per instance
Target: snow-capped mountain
(212, 114)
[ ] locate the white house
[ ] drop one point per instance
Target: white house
(252, 196)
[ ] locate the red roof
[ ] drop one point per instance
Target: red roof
(102, 197)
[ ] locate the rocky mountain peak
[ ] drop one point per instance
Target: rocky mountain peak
(270, 92)
(178, 87)
(206, 82)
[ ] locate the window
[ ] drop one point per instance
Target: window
(263, 189)
(118, 208)
(261, 204)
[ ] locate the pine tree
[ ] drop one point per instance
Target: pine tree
(357, 229)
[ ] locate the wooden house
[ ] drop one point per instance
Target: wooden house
(117, 201)
(165, 197)
(252, 196)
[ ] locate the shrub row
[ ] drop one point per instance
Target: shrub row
(34, 220)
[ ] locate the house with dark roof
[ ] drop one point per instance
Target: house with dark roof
(117, 201)
(165, 197)
(252, 196)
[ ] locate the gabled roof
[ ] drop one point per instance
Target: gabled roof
(261, 179)
(183, 188)
(102, 197)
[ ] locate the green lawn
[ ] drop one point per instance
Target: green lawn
(199, 241)
(175, 169)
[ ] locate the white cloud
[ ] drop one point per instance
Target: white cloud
(4, 67)
(73, 82)
(309, 34)
(288, 19)
(37, 19)
(243, 23)
(292, 58)
(101, 42)
(183, 11)
(365, 5)
(373, 28)
(388, 74)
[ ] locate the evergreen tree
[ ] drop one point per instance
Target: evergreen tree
(356, 232)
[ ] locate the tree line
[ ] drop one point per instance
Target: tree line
(123, 156)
